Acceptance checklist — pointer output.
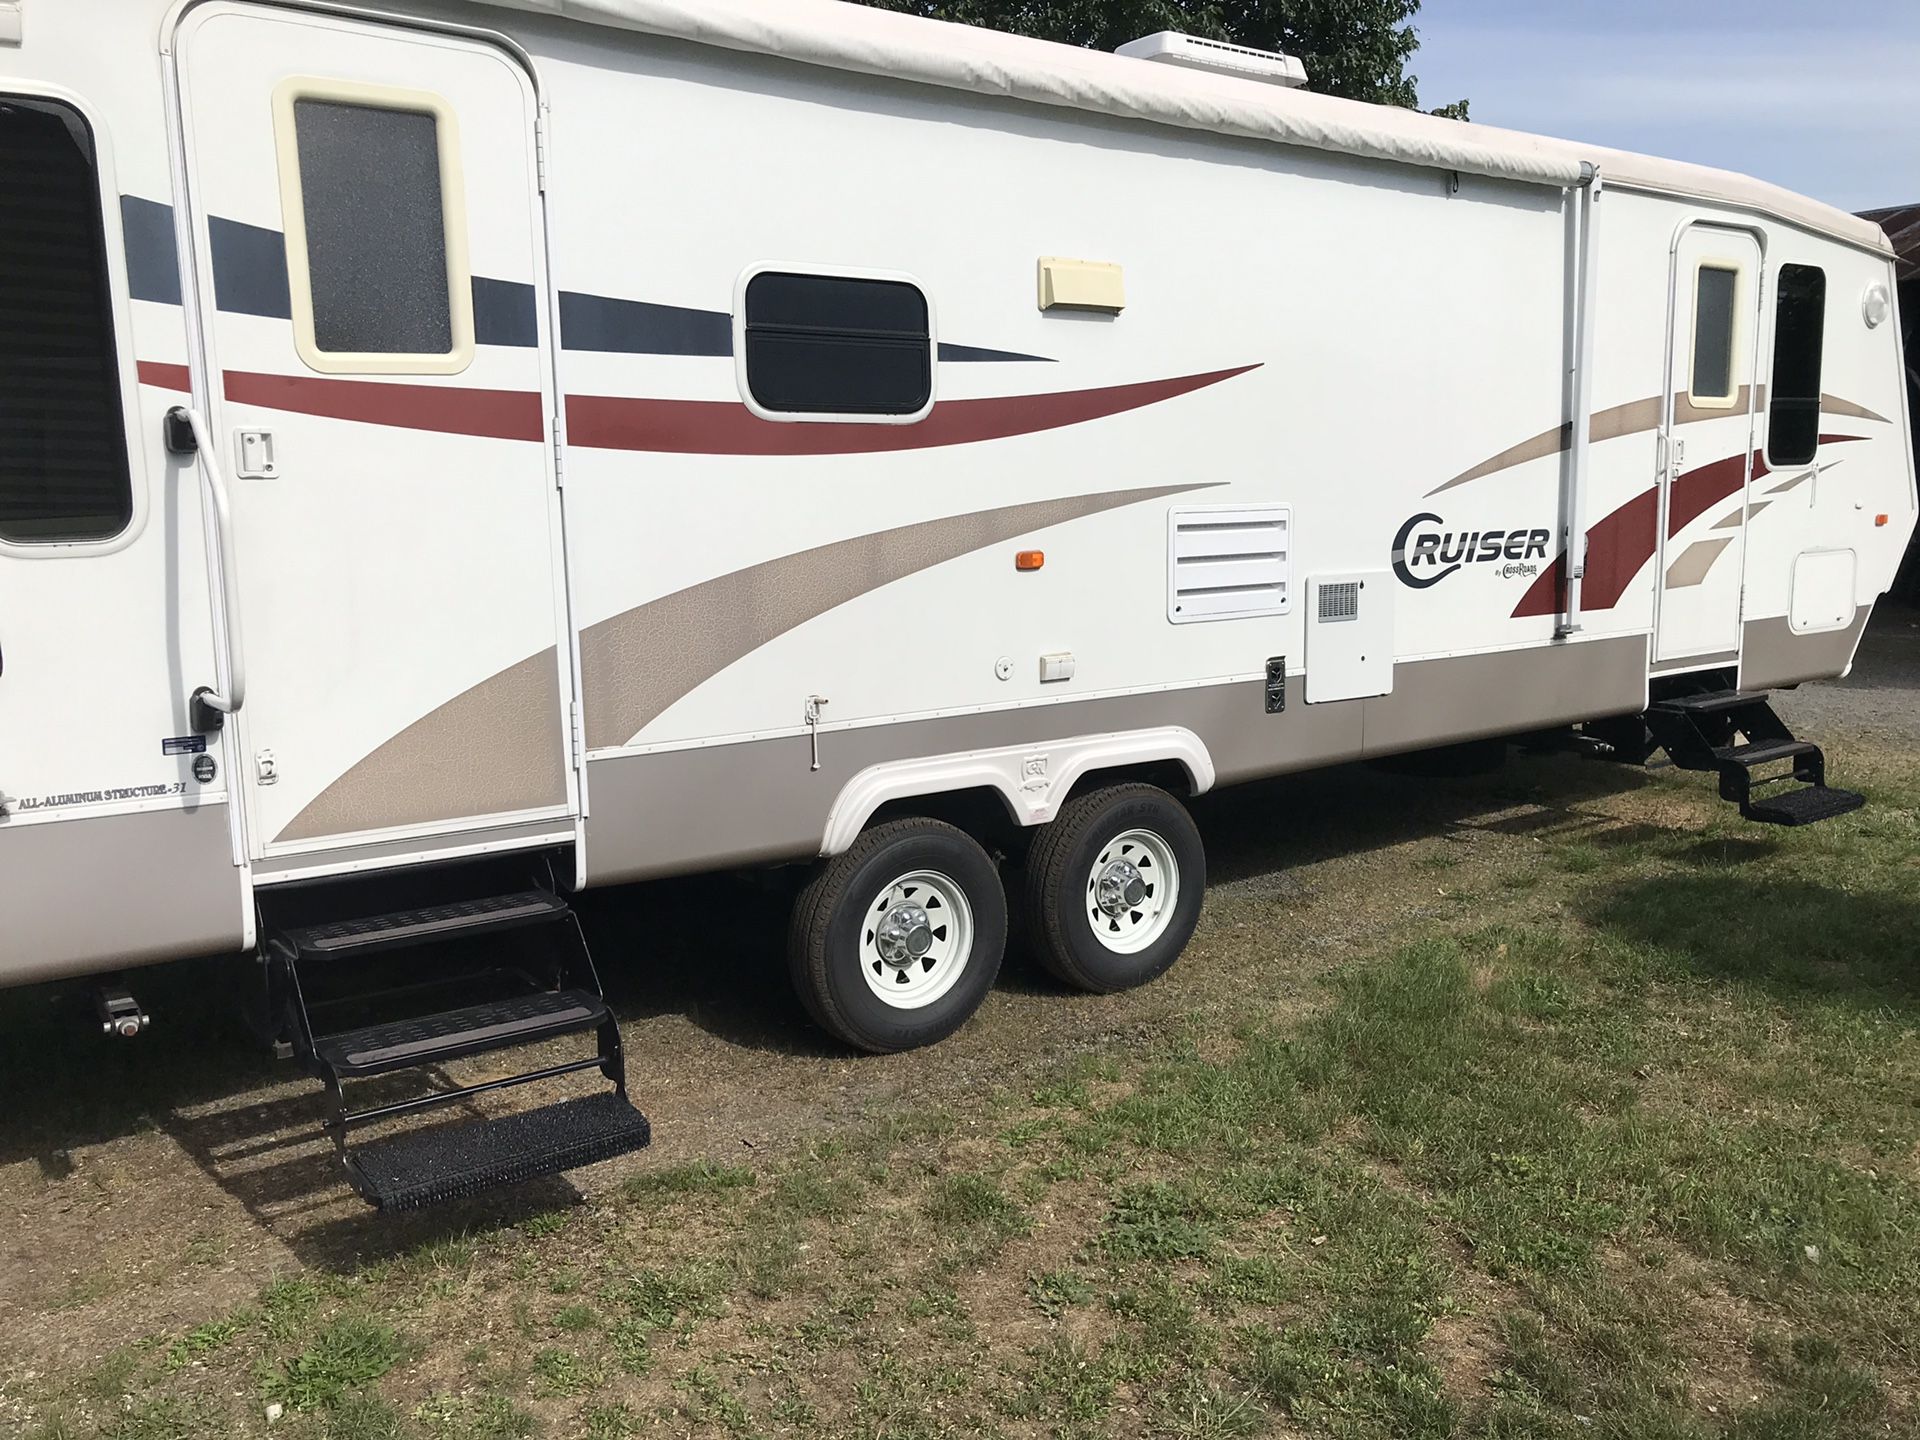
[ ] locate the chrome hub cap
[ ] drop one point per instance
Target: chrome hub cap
(1133, 889)
(906, 935)
(1121, 888)
(916, 939)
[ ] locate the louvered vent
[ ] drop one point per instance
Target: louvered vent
(1227, 562)
(63, 460)
(1340, 602)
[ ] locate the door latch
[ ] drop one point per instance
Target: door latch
(266, 769)
(253, 459)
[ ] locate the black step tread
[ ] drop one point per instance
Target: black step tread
(1805, 805)
(428, 1167)
(1759, 752)
(430, 922)
(1711, 701)
(470, 1030)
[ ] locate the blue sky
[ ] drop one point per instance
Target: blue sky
(1822, 96)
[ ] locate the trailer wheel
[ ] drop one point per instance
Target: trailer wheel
(896, 942)
(1114, 887)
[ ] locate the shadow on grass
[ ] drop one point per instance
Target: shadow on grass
(68, 1086)
(707, 948)
(1791, 937)
(1322, 815)
(710, 948)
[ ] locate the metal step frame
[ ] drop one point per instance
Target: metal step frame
(1734, 733)
(459, 1159)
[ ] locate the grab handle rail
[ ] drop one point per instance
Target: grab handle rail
(187, 435)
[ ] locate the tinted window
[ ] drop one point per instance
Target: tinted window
(1713, 334)
(828, 345)
(63, 440)
(1799, 333)
(376, 237)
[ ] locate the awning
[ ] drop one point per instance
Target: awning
(1902, 224)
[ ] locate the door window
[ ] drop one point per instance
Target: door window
(376, 229)
(1716, 288)
(63, 436)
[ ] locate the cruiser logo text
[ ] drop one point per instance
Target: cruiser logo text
(1425, 552)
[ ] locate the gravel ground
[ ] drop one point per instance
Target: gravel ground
(1879, 703)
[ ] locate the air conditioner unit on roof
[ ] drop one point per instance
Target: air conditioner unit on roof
(1170, 47)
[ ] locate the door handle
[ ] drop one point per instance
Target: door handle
(210, 705)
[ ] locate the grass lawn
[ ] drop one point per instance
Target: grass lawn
(1619, 1141)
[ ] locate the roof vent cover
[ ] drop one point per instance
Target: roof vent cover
(1170, 47)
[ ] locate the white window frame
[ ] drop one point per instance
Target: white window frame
(1735, 339)
(831, 272)
(453, 221)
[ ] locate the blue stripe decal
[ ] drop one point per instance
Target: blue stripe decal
(249, 270)
(974, 355)
(505, 312)
(250, 278)
(153, 261)
(638, 327)
(635, 327)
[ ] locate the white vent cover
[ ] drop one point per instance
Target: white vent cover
(1170, 47)
(1339, 602)
(1228, 561)
(1350, 640)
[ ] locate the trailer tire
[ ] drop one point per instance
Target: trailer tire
(1087, 874)
(895, 943)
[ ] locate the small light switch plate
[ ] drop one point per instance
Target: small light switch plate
(1056, 667)
(9, 22)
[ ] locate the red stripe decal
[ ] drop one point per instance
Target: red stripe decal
(725, 427)
(165, 377)
(1694, 491)
(447, 409)
(1619, 546)
(684, 427)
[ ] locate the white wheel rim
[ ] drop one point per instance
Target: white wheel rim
(921, 908)
(1132, 891)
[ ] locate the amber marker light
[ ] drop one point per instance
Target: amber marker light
(1029, 559)
(1878, 521)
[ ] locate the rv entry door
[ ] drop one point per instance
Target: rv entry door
(1706, 443)
(372, 300)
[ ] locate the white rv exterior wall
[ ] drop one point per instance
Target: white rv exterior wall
(1360, 341)
(112, 848)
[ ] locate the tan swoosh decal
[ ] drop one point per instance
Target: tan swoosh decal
(1695, 561)
(1834, 405)
(496, 748)
(1634, 418)
(1740, 514)
(635, 664)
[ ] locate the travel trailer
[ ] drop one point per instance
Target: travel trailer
(459, 453)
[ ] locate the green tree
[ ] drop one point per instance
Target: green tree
(1357, 49)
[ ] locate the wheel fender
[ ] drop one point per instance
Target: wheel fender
(1031, 780)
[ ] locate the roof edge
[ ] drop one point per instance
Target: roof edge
(963, 57)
